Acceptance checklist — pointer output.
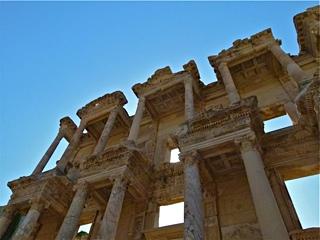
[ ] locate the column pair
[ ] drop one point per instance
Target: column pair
(268, 214)
(193, 200)
(109, 223)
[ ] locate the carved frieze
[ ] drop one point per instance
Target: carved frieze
(217, 122)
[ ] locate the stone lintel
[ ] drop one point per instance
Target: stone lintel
(108, 101)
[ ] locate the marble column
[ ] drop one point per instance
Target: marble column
(134, 130)
(267, 211)
(287, 63)
(188, 99)
(70, 223)
(106, 132)
(46, 157)
(292, 110)
(5, 219)
(109, 223)
(27, 229)
(193, 199)
(230, 87)
(70, 150)
(285, 204)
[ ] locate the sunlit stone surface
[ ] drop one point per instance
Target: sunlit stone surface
(118, 169)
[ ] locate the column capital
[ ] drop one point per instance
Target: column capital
(190, 158)
(81, 186)
(188, 80)
(142, 99)
(246, 142)
(38, 204)
(222, 64)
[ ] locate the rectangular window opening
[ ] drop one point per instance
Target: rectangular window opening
(174, 155)
(304, 193)
(171, 214)
(277, 123)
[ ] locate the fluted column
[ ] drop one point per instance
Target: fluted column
(287, 63)
(27, 228)
(230, 87)
(70, 223)
(193, 200)
(46, 157)
(134, 130)
(188, 99)
(109, 223)
(70, 150)
(5, 219)
(269, 217)
(106, 132)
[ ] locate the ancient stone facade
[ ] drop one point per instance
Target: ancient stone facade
(231, 174)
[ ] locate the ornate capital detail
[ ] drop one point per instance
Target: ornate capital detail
(81, 186)
(38, 204)
(190, 158)
(247, 142)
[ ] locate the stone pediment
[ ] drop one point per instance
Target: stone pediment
(102, 104)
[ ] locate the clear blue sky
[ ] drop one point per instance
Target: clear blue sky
(57, 56)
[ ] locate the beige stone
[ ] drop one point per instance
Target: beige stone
(117, 174)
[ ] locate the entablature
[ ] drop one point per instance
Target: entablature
(307, 27)
(102, 105)
(116, 161)
(217, 126)
(164, 91)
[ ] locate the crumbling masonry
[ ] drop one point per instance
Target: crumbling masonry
(231, 174)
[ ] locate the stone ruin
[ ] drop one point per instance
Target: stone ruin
(230, 176)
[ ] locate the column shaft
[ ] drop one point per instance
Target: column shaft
(188, 99)
(70, 150)
(109, 224)
(230, 87)
(106, 132)
(27, 228)
(269, 217)
(6, 219)
(134, 130)
(193, 201)
(287, 63)
(70, 223)
(46, 157)
(286, 207)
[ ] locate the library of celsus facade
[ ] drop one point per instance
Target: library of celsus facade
(116, 172)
